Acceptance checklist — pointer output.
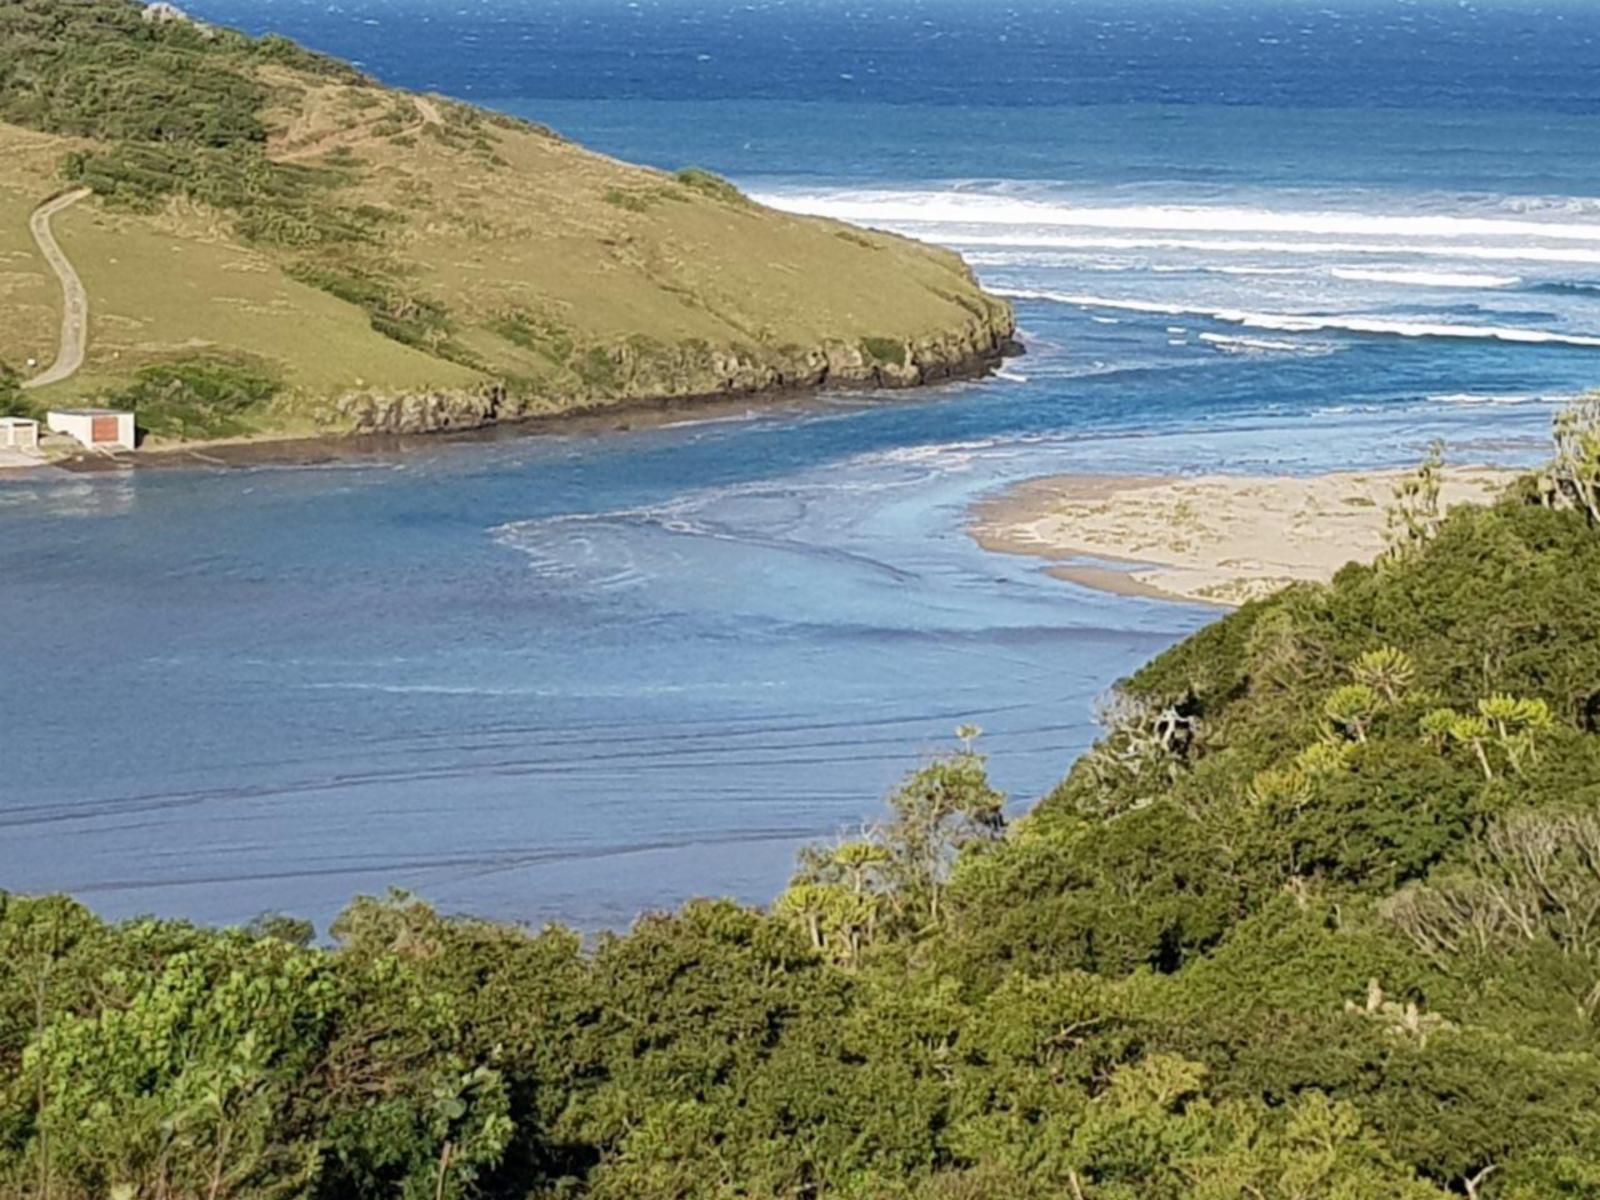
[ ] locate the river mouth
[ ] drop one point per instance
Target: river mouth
(586, 674)
(571, 677)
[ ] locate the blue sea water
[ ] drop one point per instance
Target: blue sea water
(577, 676)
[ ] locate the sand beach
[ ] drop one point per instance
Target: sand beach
(1215, 539)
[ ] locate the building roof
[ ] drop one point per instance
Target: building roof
(12, 422)
(90, 412)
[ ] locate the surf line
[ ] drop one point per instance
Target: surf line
(1290, 323)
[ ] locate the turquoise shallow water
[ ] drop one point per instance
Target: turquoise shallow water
(579, 676)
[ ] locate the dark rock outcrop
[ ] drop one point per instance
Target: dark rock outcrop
(639, 373)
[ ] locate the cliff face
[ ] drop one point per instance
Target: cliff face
(644, 375)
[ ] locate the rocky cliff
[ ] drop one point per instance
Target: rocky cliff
(646, 375)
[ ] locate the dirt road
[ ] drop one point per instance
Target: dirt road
(359, 135)
(75, 301)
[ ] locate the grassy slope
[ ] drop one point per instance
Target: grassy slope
(505, 254)
(29, 296)
(164, 287)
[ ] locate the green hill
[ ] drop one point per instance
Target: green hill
(276, 243)
(1317, 919)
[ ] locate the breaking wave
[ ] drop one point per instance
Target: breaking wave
(1432, 279)
(1567, 288)
(1499, 399)
(1249, 345)
(1309, 323)
(979, 208)
(1473, 253)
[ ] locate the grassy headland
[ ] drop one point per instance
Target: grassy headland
(1317, 919)
(397, 262)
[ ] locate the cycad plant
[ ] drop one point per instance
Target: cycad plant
(1324, 758)
(1280, 788)
(1473, 732)
(1518, 724)
(1350, 711)
(1387, 670)
(1445, 728)
(1514, 725)
(1415, 515)
(1436, 726)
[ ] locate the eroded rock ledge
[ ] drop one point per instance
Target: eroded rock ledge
(642, 374)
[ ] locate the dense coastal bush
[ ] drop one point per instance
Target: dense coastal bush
(1319, 916)
(198, 397)
(13, 400)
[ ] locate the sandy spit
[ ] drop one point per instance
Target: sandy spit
(1214, 539)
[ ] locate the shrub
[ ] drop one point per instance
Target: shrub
(709, 184)
(14, 401)
(198, 397)
(631, 200)
(885, 350)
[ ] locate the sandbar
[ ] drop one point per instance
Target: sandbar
(1211, 539)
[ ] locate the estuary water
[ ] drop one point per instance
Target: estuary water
(577, 676)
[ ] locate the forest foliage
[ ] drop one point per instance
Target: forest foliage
(1319, 916)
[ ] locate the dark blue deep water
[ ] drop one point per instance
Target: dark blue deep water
(573, 677)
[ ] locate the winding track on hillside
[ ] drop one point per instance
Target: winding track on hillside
(359, 135)
(74, 300)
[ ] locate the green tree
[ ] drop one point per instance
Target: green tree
(1573, 478)
(186, 1085)
(940, 810)
(13, 400)
(1414, 515)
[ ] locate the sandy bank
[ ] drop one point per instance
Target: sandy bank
(1216, 539)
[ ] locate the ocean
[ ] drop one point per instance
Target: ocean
(575, 677)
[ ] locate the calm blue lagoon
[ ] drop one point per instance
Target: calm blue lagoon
(579, 675)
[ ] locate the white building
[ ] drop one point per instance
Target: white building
(18, 433)
(96, 428)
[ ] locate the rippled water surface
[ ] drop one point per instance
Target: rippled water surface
(577, 676)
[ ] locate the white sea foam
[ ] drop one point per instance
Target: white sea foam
(1498, 399)
(1284, 247)
(1312, 323)
(1433, 279)
(1077, 262)
(988, 208)
(1246, 344)
(1253, 270)
(957, 455)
